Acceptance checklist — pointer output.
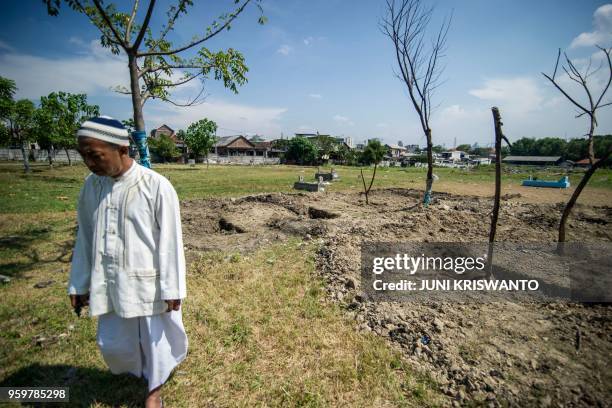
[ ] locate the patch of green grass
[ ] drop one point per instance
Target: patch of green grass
(56, 189)
(238, 333)
(44, 189)
(270, 338)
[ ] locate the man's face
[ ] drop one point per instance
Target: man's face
(103, 159)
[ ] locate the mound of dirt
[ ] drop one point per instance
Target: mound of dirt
(499, 354)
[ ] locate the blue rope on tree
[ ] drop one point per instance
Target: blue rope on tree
(427, 198)
(140, 138)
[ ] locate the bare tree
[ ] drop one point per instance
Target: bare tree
(499, 136)
(581, 78)
(153, 61)
(595, 102)
(406, 23)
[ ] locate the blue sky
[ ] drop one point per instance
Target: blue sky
(324, 65)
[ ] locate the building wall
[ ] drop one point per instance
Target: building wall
(213, 158)
(37, 155)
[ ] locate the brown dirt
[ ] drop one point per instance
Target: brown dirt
(536, 195)
(497, 354)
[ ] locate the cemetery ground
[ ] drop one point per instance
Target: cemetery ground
(274, 313)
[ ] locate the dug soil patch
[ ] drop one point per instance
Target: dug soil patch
(501, 354)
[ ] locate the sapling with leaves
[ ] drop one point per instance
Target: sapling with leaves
(372, 154)
(156, 66)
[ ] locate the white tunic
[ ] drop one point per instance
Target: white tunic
(129, 248)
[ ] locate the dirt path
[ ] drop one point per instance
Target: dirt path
(534, 195)
(520, 354)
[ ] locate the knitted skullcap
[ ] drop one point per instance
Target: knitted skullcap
(105, 128)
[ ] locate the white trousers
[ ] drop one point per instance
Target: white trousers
(148, 346)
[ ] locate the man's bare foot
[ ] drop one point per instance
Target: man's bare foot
(154, 399)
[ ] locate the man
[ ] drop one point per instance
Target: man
(128, 264)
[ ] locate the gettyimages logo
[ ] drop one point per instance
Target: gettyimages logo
(412, 264)
(462, 272)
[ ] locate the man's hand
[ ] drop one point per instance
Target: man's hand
(174, 304)
(78, 301)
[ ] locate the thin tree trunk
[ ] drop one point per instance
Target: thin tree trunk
(591, 148)
(429, 181)
(137, 103)
(50, 156)
(26, 162)
(495, 215)
(373, 175)
(570, 204)
(365, 190)
(68, 156)
(136, 96)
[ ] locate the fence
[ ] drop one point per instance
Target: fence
(38, 155)
(213, 158)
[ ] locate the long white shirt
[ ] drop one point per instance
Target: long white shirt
(129, 248)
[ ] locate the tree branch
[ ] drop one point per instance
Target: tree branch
(172, 20)
(173, 84)
(565, 93)
(149, 70)
(122, 91)
(194, 43)
(131, 21)
(109, 23)
(607, 52)
(145, 25)
(183, 81)
(192, 103)
(557, 63)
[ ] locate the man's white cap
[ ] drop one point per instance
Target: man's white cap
(105, 128)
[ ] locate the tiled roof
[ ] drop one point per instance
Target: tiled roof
(226, 140)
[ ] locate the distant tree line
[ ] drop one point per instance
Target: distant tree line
(323, 149)
(52, 124)
(479, 151)
(574, 149)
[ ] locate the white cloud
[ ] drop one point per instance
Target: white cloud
(602, 29)
(94, 72)
(466, 124)
(242, 118)
(343, 120)
(77, 41)
(458, 112)
(284, 49)
(382, 125)
(308, 41)
(315, 96)
(5, 46)
(528, 108)
(516, 94)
